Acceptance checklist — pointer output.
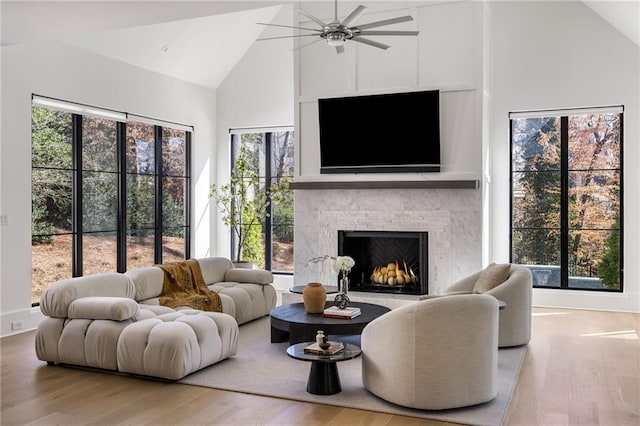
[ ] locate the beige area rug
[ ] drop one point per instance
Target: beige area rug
(263, 368)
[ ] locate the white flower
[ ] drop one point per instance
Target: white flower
(342, 264)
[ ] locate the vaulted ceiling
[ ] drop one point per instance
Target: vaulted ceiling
(194, 41)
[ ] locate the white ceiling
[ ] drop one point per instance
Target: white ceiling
(195, 41)
(199, 50)
(29, 20)
(624, 15)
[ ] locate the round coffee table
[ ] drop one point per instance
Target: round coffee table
(291, 322)
(323, 375)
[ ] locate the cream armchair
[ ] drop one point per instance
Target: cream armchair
(434, 354)
(515, 318)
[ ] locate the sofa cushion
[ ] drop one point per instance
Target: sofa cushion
(103, 308)
(251, 301)
(148, 282)
(56, 298)
(214, 268)
(491, 277)
(253, 276)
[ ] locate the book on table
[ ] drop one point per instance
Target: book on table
(334, 348)
(347, 313)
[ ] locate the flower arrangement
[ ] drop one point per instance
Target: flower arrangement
(340, 264)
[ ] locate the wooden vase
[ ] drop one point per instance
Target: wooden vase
(314, 296)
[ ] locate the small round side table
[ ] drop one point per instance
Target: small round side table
(323, 375)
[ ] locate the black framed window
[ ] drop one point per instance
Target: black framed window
(108, 194)
(272, 154)
(566, 203)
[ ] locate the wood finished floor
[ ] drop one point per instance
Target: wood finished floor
(581, 368)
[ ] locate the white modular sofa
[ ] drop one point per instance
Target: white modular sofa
(115, 322)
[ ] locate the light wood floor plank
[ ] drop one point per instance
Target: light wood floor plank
(581, 368)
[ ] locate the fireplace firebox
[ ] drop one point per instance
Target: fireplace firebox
(386, 261)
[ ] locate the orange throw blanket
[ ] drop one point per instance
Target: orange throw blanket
(184, 285)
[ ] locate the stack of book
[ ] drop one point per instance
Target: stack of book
(346, 313)
(314, 348)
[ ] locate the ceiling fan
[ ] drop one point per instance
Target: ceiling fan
(336, 33)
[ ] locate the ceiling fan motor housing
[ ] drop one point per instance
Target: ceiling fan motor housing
(336, 34)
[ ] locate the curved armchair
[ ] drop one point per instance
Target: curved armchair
(434, 354)
(515, 318)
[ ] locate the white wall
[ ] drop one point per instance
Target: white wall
(547, 55)
(60, 71)
(258, 92)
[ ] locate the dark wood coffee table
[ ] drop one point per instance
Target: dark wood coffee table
(291, 322)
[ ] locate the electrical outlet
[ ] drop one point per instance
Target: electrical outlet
(16, 325)
(4, 219)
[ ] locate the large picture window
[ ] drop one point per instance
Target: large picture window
(271, 152)
(108, 194)
(566, 204)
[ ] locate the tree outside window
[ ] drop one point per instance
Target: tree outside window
(267, 158)
(95, 185)
(566, 199)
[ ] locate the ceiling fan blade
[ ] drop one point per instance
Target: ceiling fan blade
(353, 15)
(385, 22)
(371, 42)
(289, 26)
(313, 18)
(288, 36)
(306, 44)
(389, 33)
(339, 49)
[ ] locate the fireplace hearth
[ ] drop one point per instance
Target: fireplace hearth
(386, 261)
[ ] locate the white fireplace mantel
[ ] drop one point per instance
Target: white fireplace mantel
(397, 184)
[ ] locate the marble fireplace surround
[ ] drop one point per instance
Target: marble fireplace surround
(451, 216)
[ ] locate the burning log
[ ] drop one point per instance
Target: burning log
(392, 274)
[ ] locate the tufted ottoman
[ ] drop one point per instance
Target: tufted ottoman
(175, 344)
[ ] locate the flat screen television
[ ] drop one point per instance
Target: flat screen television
(385, 133)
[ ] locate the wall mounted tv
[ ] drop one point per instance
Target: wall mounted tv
(386, 133)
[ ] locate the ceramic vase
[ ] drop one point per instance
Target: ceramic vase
(244, 264)
(314, 296)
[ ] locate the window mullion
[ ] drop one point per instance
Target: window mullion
(121, 132)
(235, 141)
(76, 184)
(620, 207)
(268, 235)
(187, 196)
(158, 194)
(564, 202)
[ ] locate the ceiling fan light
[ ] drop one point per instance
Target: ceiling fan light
(335, 39)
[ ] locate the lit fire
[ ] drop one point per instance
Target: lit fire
(393, 274)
